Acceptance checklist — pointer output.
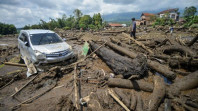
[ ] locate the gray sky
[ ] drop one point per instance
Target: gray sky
(22, 12)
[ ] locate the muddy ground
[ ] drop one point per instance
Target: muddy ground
(54, 89)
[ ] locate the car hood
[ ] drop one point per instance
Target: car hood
(50, 48)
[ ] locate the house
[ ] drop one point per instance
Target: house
(115, 25)
(170, 13)
(139, 22)
(147, 18)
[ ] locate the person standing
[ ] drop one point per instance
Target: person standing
(171, 29)
(133, 30)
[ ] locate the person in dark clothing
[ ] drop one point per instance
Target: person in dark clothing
(133, 31)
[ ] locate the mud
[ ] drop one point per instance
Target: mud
(55, 85)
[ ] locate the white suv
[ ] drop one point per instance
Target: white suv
(43, 46)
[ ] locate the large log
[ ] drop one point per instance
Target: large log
(134, 84)
(193, 40)
(185, 51)
(162, 69)
(158, 94)
(188, 82)
(120, 64)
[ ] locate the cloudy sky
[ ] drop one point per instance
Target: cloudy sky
(22, 12)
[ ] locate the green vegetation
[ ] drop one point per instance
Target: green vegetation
(7, 29)
(163, 21)
(2, 65)
(78, 21)
(191, 20)
(189, 11)
(190, 17)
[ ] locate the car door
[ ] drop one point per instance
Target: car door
(21, 44)
(27, 47)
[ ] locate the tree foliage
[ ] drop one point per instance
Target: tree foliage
(7, 29)
(77, 13)
(190, 17)
(189, 11)
(77, 21)
(85, 21)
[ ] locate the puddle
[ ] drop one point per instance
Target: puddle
(165, 79)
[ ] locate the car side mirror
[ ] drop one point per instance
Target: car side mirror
(64, 39)
(27, 44)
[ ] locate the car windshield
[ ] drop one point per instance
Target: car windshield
(45, 38)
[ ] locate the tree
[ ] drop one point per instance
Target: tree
(44, 24)
(27, 27)
(189, 11)
(77, 13)
(7, 29)
(62, 21)
(97, 20)
(85, 20)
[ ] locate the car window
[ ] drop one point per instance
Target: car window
(45, 38)
(25, 38)
(22, 37)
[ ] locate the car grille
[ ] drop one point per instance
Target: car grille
(58, 54)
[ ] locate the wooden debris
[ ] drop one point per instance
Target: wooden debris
(24, 86)
(111, 92)
(15, 64)
(33, 98)
(138, 43)
(130, 84)
(133, 101)
(158, 94)
(120, 64)
(162, 69)
(193, 41)
(188, 82)
(76, 104)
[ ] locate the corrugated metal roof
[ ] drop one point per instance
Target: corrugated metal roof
(148, 14)
(168, 11)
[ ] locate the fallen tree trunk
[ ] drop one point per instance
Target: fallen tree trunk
(140, 104)
(185, 51)
(135, 84)
(188, 82)
(121, 43)
(158, 94)
(138, 43)
(123, 97)
(120, 64)
(162, 69)
(120, 49)
(193, 40)
(133, 101)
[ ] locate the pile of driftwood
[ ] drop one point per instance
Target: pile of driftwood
(171, 65)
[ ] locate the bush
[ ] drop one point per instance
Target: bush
(67, 28)
(91, 26)
(83, 26)
(7, 29)
(194, 26)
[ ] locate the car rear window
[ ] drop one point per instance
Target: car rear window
(45, 38)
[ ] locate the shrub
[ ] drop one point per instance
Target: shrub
(67, 28)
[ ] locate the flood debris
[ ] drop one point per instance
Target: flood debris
(154, 72)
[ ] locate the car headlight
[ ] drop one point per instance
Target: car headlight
(39, 55)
